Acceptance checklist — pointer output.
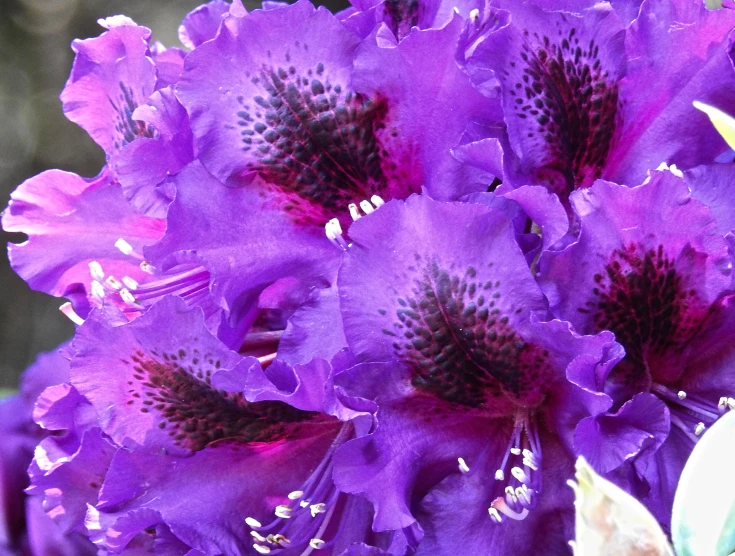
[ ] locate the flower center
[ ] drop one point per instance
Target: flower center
(315, 143)
(178, 387)
(569, 104)
(461, 347)
(643, 299)
(126, 127)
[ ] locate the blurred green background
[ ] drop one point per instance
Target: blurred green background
(35, 38)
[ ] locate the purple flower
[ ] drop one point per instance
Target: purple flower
(194, 446)
(24, 526)
(438, 303)
(304, 126)
(579, 99)
(660, 281)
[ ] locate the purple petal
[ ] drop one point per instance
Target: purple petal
(608, 441)
(202, 23)
(683, 45)
(72, 222)
(111, 76)
(246, 245)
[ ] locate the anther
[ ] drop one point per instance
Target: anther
(699, 429)
(145, 266)
(317, 509)
(377, 200)
(510, 492)
(252, 522)
(295, 495)
(127, 297)
(499, 475)
(304, 503)
(257, 536)
(474, 15)
(354, 212)
(524, 494)
(124, 247)
(681, 394)
(502, 506)
(366, 207)
(495, 515)
(515, 451)
(283, 511)
(68, 311)
(130, 283)
(463, 467)
(316, 543)
(114, 284)
(95, 269)
(98, 290)
(262, 549)
(519, 474)
(280, 539)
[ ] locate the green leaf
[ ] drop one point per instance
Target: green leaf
(703, 519)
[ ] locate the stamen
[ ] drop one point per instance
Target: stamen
(130, 283)
(690, 413)
(499, 475)
(354, 212)
(377, 200)
(95, 269)
(518, 473)
(124, 247)
(98, 290)
(304, 503)
(463, 467)
(262, 549)
(295, 495)
(501, 505)
(495, 515)
(257, 536)
(681, 394)
(316, 543)
(317, 509)
(126, 296)
(515, 451)
(474, 15)
(366, 207)
(699, 429)
(145, 266)
(284, 511)
(333, 229)
(252, 522)
(68, 311)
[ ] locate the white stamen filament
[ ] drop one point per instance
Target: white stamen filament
(463, 467)
(699, 429)
(68, 311)
(333, 229)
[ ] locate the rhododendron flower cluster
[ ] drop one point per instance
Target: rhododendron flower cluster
(370, 282)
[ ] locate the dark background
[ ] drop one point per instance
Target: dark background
(35, 59)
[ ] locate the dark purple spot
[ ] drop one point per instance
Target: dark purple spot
(461, 347)
(317, 144)
(570, 104)
(401, 16)
(127, 129)
(197, 414)
(642, 299)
